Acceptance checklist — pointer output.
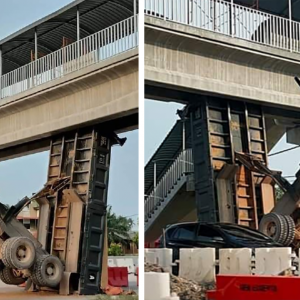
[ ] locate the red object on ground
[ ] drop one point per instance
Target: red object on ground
(237, 287)
(118, 276)
(113, 291)
(22, 285)
(137, 276)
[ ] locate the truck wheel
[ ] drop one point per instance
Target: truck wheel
(274, 226)
(5, 253)
(47, 271)
(21, 253)
(291, 231)
(11, 276)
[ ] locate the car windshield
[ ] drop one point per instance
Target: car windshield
(245, 234)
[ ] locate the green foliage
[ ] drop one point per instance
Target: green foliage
(115, 250)
(136, 239)
(118, 228)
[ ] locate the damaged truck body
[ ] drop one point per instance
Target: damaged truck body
(68, 253)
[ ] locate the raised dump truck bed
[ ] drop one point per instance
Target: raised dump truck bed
(68, 251)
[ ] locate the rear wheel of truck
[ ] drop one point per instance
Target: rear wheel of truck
(21, 253)
(291, 231)
(274, 226)
(5, 253)
(11, 276)
(47, 271)
(18, 253)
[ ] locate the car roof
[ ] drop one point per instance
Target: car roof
(211, 224)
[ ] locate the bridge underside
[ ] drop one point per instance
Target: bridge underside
(119, 125)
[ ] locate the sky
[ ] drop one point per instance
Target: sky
(26, 175)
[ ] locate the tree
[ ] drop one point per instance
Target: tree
(115, 250)
(118, 228)
(136, 239)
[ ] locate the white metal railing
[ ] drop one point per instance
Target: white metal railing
(102, 45)
(229, 19)
(182, 165)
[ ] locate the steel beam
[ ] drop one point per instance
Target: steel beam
(290, 24)
(135, 21)
(232, 18)
(78, 23)
(35, 44)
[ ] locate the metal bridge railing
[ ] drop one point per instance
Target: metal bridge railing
(102, 45)
(182, 165)
(230, 19)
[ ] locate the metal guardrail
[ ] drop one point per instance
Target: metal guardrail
(97, 47)
(229, 19)
(182, 165)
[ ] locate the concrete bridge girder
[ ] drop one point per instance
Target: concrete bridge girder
(98, 93)
(206, 62)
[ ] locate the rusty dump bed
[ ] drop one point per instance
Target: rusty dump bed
(232, 180)
(68, 251)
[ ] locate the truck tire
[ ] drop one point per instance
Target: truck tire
(291, 231)
(274, 226)
(21, 253)
(47, 271)
(5, 253)
(11, 276)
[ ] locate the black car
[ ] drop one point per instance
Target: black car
(213, 235)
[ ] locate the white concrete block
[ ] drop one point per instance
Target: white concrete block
(272, 261)
(149, 257)
(198, 264)
(157, 286)
(162, 257)
(131, 262)
(235, 261)
(111, 262)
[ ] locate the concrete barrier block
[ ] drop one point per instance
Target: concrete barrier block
(149, 256)
(198, 264)
(272, 261)
(235, 261)
(157, 286)
(131, 262)
(162, 257)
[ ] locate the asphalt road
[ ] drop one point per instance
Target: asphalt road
(9, 292)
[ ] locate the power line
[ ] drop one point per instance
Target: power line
(131, 216)
(285, 150)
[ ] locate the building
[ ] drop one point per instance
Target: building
(29, 217)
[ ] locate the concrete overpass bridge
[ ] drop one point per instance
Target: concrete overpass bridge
(234, 66)
(74, 68)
